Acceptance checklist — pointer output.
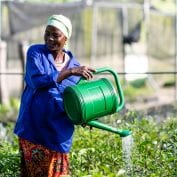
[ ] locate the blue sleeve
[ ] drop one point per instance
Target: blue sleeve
(36, 75)
(72, 80)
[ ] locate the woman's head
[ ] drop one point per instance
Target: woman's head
(62, 23)
(58, 31)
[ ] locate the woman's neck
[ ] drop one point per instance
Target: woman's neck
(59, 56)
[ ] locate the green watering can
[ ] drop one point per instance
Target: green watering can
(89, 100)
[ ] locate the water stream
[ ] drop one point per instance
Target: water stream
(127, 145)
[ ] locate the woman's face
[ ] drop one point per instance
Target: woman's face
(54, 39)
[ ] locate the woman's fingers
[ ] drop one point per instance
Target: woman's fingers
(88, 72)
(84, 71)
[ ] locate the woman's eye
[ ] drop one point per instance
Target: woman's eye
(47, 33)
(53, 35)
(56, 35)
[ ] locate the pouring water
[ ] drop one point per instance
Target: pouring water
(127, 145)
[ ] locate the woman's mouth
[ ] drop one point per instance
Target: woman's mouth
(51, 46)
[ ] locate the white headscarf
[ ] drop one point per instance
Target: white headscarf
(62, 23)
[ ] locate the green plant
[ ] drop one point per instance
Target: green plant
(97, 153)
(9, 111)
(9, 159)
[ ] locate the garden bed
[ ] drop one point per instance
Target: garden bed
(97, 153)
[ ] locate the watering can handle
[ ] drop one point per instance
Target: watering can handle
(119, 90)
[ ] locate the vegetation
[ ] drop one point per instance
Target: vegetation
(9, 154)
(9, 111)
(97, 153)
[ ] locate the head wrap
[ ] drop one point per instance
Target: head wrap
(62, 23)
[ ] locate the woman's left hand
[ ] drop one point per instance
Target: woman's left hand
(84, 71)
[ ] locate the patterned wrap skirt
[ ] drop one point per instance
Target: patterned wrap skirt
(38, 161)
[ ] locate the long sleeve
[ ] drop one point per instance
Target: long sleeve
(72, 80)
(42, 118)
(38, 73)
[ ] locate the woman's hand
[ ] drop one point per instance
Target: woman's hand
(84, 71)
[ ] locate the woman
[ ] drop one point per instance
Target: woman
(44, 130)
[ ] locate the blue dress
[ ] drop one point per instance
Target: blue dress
(42, 119)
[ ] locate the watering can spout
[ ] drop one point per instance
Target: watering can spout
(122, 133)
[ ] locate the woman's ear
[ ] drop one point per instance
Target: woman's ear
(66, 43)
(66, 39)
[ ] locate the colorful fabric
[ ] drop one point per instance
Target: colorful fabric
(38, 161)
(62, 23)
(42, 118)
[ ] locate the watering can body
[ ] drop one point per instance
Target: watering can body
(89, 100)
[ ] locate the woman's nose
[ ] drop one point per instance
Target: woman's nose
(51, 38)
